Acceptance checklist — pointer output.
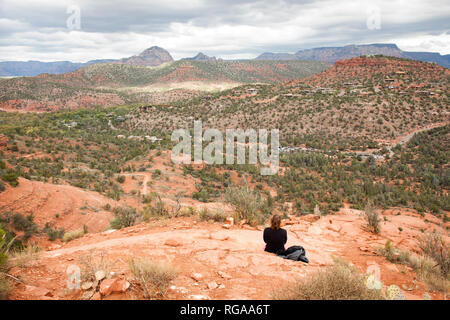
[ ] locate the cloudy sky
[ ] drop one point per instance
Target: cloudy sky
(81, 30)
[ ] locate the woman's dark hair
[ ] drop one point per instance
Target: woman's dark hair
(275, 222)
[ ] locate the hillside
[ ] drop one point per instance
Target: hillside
(91, 190)
(358, 104)
(114, 84)
(333, 54)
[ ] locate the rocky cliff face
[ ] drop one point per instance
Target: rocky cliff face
(333, 54)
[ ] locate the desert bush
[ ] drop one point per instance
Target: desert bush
(425, 267)
(186, 212)
(121, 179)
(91, 265)
(337, 282)
(372, 218)
(433, 245)
(26, 224)
(53, 233)
(152, 277)
(158, 209)
(4, 248)
(246, 203)
(124, 217)
(216, 215)
(11, 177)
(72, 235)
(25, 257)
(427, 270)
(5, 287)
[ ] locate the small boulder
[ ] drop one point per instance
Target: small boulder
(212, 285)
(107, 287)
(197, 276)
(37, 292)
(54, 247)
(224, 275)
(100, 275)
(173, 243)
(97, 296)
(87, 285)
(88, 294)
(120, 286)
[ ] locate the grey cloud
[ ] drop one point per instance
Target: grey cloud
(115, 28)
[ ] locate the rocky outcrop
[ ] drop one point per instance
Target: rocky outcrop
(153, 56)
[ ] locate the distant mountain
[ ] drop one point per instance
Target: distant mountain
(276, 56)
(153, 56)
(201, 57)
(34, 68)
(332, 54)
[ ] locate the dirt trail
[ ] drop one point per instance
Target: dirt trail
(144, 190)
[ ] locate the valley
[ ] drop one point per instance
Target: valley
(87, 178)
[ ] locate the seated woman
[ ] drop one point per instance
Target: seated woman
(274, 236)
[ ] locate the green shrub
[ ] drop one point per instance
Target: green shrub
(53, 233)
(3, 248)
(124, 217)
(246, 203)
(11, 177)
(372, 218)
(26, 224)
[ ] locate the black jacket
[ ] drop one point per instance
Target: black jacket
(274, 239)
(296, 253)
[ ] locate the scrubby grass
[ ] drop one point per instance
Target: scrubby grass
(24, 258)
(72, 235)
(90, 265)
(337, 282)
(426, 268)
(152, 277)
(158, 209)
(4, 248)
(5, 287)
(187, 212)
(216, 215)
(433, 245)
